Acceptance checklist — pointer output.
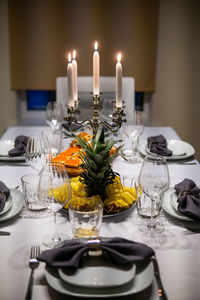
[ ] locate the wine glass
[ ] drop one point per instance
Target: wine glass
(130, 135)
(38, 151)
(54, 191)
(54, 115)
(153, 182)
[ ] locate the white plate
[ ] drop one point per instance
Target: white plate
(169, 198)
(180, 149)
(7, 206)
(6, 146)
(17, 204)
(97, 273)
(143, 278)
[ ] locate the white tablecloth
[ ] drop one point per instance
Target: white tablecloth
(179, 262)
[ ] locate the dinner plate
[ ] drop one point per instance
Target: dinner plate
(142, 279)
(6, 146)
(180, 149)
(170, 206)
(17, 204)
(96, 272)
(7, 206)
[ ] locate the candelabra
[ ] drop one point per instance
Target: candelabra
(94, 122)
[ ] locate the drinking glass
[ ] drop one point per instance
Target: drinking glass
(55, 140)
(85, 214)
(152, 183)
(54, 115)
(38, 151)
(130, 135)
(54, 192)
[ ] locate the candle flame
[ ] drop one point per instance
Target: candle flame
(69, 57)
(119, 56)
(74, 54)
(96, 45)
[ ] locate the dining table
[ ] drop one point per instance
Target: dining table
(178, 255)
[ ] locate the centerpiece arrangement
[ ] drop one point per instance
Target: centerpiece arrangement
(97, 177)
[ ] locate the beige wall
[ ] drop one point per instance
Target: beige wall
(177, 98)
(7, 98)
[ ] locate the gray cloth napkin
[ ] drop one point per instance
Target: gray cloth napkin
(188, 199)
(20, 146)
(158, 144)
(4, 193)
(116, 250)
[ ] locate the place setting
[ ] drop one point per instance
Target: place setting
(172, 149)
(13, 150)
(11, 202)
(182, 202)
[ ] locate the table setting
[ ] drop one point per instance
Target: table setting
(83, 218)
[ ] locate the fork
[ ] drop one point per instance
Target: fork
(33, 264)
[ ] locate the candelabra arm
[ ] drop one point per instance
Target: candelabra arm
(110, 127)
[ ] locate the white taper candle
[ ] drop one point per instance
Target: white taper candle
(70, 82)
(96, 70)
(74, 64)
(119, 82)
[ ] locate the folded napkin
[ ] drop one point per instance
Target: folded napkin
(4, 193)
(158, 144)
(188, 199)
(116, 250)
(20, 146)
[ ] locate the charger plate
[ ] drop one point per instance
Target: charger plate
(142, 279)
(181, 149)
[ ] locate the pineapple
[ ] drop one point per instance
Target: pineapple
(96, 164)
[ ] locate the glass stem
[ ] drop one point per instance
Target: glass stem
(56, 237)
(152, 221)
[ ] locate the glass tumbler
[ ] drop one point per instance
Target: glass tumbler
(30, 189)
(85, 214)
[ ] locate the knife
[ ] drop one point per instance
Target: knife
(4, 233)
(161, 292)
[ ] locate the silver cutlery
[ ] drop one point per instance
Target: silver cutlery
(161, 292)
(33, 264)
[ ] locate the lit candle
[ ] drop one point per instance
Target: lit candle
(119, 82)
(74, 64)
(70, 82)
(96, 68)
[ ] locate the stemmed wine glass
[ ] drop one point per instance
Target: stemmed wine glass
(54, 191)
(153, 182)
(54, 115)
(38, 151)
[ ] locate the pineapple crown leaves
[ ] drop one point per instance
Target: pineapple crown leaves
(96, 159)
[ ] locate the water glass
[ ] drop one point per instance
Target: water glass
(54, 192)
(85, 216)
(152, 183)
(38, 151)
(55, 140)
(54, 115)
(30, 189)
